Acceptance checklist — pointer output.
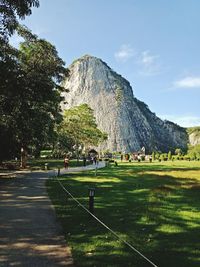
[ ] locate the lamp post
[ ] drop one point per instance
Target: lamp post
(91, 193)
(22, 158)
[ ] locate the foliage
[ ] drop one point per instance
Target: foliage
(43, 71)
(119, 93)
(163, 156)
(80, 128)
(169, 156)
(157, 155)
(45, 153)
(64, 143)
(9, 10)
(194, 152)
(178, 151)
(30, 93)
(196, 130)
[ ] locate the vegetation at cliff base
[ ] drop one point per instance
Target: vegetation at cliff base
(196, 130)
(79, 130)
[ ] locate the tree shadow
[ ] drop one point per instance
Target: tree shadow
(29, 233)
(159, 215)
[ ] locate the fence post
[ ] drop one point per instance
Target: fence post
(91, 192)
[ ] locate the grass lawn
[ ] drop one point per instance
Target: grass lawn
(53, 163)
(154, 206)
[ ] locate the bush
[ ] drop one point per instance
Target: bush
(45, 154)
(11, 166)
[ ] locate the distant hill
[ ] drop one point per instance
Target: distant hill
(129, 122)
(194, 135)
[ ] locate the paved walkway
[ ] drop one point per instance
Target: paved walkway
(30, 236)
(101, 164)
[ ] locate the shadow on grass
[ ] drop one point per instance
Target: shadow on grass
(159, 215)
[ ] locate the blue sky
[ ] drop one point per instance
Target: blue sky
(154, 44)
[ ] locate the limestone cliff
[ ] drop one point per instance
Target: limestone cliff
(194, 135)
(128, 122)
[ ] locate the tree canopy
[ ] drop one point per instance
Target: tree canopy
(194, 152)
(29, 84)
(30, 93)
(80, 127)
(10, 10)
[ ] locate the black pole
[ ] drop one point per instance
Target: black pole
(58, 172)
(91, 204)
(91, 192)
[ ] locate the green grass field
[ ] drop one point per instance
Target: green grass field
(154, 206)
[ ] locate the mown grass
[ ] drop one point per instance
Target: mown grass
(154, 206)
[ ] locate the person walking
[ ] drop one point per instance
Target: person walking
(66, 162)
(84, 161)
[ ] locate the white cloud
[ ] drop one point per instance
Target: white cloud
(148, 59)
(149, 63)
(125, 53)
(184, 121)
(187, 82)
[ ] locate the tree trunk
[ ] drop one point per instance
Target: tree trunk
(77, 155)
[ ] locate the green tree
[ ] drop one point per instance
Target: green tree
(178, 152)
(10, 11)
(80, 127)
(10, 72)
(169, 156)
(163, 156)
(31, 97)
(194, 152)
(43, 71)
(157, 155)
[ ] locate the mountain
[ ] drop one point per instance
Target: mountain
(128, 122)
(194, 135)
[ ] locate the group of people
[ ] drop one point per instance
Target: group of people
(93, 159)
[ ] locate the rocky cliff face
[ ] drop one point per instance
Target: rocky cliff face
(194, 135)
(128, 122)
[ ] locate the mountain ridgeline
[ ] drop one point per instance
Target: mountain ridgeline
(128, 122)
